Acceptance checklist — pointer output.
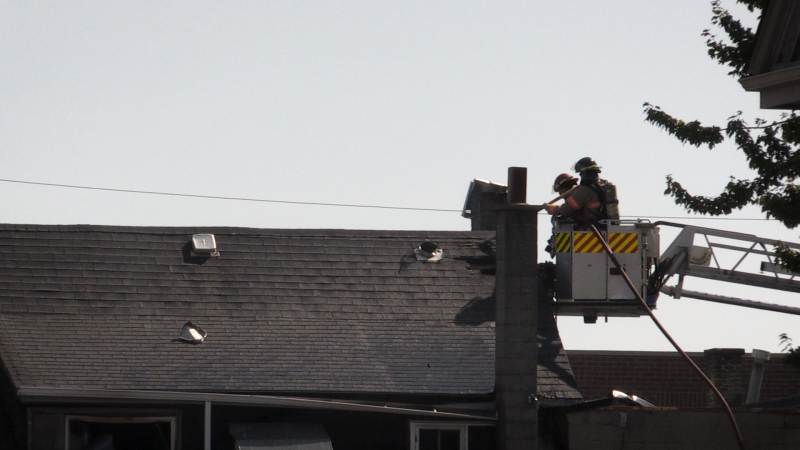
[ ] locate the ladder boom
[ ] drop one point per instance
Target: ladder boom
(685, 258)
(671, 291)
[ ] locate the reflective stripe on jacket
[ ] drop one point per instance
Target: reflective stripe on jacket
(583, 200)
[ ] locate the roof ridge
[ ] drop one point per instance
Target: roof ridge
(229, 230)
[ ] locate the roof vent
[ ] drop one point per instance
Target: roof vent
(204, 244)
(428, 251)
(192, 334)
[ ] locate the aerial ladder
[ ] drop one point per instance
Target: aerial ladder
(617, 268)
(588, 284)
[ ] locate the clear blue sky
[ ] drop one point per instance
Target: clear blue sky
(373, 103)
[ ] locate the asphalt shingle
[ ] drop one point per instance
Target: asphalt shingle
(322, 311)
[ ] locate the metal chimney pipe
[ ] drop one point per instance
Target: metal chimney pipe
(517, 184)
(760, 358)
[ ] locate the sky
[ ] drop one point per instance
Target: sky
(396, 104)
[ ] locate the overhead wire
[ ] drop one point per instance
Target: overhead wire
(695, 218)
(217, 197)
(292, 202)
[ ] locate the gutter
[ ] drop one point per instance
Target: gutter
(770, 79)
(33, 395)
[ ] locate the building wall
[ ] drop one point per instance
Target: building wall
(665, 429)
(665, 379)
(348, 430)
(12, 416)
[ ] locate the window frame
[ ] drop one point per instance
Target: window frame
(463, 427)
(124, 417)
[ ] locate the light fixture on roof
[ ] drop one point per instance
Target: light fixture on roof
(204, 245)
(638, 400)
(192, 334)
(428, 251)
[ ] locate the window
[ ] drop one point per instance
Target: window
(84, 431)
(451, 436)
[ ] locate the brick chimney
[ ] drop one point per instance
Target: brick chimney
(516, 345)
(724, 369)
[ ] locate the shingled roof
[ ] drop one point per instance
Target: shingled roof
(286, 311)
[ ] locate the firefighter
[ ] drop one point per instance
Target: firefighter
(606, 191)
(564, 183)
(588, 169)
(582, 203)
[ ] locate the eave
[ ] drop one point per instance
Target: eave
(45, 395)
(779, 89)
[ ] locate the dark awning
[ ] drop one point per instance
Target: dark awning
(283, 436)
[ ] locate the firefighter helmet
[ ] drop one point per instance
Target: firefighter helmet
(564, 180)
(585, 164)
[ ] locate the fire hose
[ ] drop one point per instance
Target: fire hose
(642, 302)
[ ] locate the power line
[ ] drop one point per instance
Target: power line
(345, 205)
(694, 218)
(215, 197)
(644, 216)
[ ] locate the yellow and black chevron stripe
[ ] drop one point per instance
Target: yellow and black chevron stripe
(563, 241)
(588, 243)
(624, 242)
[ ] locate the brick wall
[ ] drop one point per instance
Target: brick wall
(724, 368)
(665, 379)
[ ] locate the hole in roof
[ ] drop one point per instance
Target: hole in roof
(429, 247)
(428, 251)
(192, 334)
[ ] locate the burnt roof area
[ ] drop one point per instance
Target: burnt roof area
(308, 312)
